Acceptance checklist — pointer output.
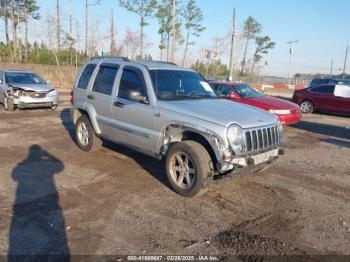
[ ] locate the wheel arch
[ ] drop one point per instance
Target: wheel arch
(90, 113)
(177, 133)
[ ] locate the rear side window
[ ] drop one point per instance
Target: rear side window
(86, 76)
(326, 89)
(105, 80)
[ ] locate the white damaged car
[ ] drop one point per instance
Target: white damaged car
(26, 89)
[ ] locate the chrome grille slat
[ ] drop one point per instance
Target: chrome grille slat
(261, 138)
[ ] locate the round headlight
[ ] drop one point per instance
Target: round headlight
(235, 135)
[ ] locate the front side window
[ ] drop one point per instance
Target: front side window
(23, 78)
(104, 80)
(86, 76)
(175, 85)
(246, 91)
(131, 82)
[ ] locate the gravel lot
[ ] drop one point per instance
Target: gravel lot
(56, 199)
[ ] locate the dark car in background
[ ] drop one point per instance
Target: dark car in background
(329, 97)
(329, 81)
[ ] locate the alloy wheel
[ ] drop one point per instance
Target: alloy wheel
(182, 170)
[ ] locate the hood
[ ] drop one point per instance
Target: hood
(221, 112)
(267, 103)
(41, 88)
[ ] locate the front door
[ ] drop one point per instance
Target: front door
(135, 116)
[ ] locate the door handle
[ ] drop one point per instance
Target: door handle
(119, 104)
(91, 97)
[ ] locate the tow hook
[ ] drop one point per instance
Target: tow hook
(280, 152)
(250, 161)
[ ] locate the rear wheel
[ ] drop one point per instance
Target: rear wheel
(8, 104)
(85, 135)
(307, 107)
(188, 168)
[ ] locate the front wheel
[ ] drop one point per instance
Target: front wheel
(85, 135)
(8, 104)
(188, 168)
(307, 107)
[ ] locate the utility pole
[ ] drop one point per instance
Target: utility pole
(345, 61)
(58, 29)
(86, 26)
(291, 52)
(70, 18)
(332, 68)
(113, 48)
(173, 46)
(233, 35)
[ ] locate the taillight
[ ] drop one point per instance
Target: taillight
(72, 97)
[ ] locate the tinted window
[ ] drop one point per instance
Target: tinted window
(323, 89)
(223, 91)
(104, 80)
(85, 76)
(131, 82)
(23, 78)
(246, 91)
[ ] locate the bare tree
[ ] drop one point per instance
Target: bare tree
(87, 5)
(14, 20)
(58, 26)
(131, 43)
(113, 48)
(5, 14)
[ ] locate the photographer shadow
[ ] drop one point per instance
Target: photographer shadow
(38, 226)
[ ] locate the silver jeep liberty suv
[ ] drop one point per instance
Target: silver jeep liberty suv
(172, 113)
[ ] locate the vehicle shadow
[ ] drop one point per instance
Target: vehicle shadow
(324, 129)
(337, 142)
(152, 166)
(38, 225)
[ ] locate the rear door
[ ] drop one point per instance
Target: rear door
(135, 118)
(100, 97)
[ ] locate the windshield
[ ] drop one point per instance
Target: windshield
(23, 78)
(173, 85)
(246, 91)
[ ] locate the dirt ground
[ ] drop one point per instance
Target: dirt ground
(57, 199)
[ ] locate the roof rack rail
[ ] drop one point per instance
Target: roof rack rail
(158, 61)
(124, 59)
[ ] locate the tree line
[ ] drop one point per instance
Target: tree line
(180, 24)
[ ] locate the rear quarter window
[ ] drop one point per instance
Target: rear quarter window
(86, 76)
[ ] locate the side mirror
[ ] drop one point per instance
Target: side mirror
(137, 96)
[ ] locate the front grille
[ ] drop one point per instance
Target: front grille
(33, 94)
(262, 139)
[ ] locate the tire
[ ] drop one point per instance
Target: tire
(307, 107)
(195, 173)
(8, 104)
(85, 135)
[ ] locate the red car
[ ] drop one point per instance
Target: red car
(289, 113)
(331, 98)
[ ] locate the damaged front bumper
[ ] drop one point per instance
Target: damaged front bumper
(251, 161)
(31, 102)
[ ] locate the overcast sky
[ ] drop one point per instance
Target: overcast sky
(321, 26)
